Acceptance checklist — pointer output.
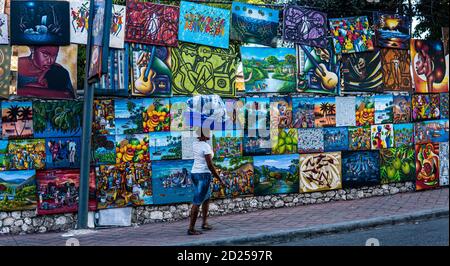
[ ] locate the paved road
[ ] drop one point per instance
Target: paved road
(423, 233)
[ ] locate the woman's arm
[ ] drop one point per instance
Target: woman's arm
(211, 167)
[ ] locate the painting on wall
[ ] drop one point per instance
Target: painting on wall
(254, 24)
(128, 116)
(362, 72)
(187, 141)
(117, 31)
(156, 114)
(392, 30)
(443, 161)
(104, 149)
(257, 143)
(4, 35)
(384, 108)
(198, 69)
(149, 70)
(204, 24)
(132, 148)
(257, 113)
(235, 109)
(79, 19)
(48, 72)
(345, 116)
(320, 171)
(227, 143)
(284, 141)
(40, 23)
(402, 109)
(397, 165)
(382, 136)
(427, 166)
(4, 158)
(360, 168)
(444, 105)
(237, 173)
(277, 174)
(325, 112)
(365, 110)
(429, 67)
(396, 70)
(18, 190)
(152, 23)
(431, 131)
(179, 105)
(62, 152)
(425, 107)
(171, 181)
(26, 154)
(17, 120)
(359, 138)
(165, 146)
(403, 135)
(115, 82)
(351, 35)
(311, 140)
(303, 109)
(104, 114)
(335, 139)
(280, 112)
(5, 70)
(269, 69)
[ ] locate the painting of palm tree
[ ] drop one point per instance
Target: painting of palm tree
(17, 119)
(325, 112)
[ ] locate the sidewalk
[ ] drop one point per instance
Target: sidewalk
(265, 224)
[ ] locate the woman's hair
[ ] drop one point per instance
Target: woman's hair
(203, 133)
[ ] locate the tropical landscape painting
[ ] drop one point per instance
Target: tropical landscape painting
(431, 131)
(165, 146)
(384, 109)
(237, 173)
(397, 165)
(403, 135)
(18, 190)
(4, 159)
(128, 116)
(325, 112)
(17, 119)
(258, 143)
(104, 149)
(178, 107)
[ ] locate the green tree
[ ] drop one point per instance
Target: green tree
(272, 60)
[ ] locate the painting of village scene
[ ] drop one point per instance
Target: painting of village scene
(277, 174)
(26, 154)
(359, 138)
(425, 106)
(427, 166)
(320, 171)
(431, 131)
(269, 69)
(17, 120)
(62, 152)
(325, 112)
(365, 111)
(104, 149)
(227, 143)
(165, 146)
(257, 142)
(384, 109)
(132, 148)
(403, 135)
(303, 109)
(104, 114)
(18, 190)
(128, 116)
(156, 115)
(402, 109)
(237, 174)
(360, 168)
(397, 164)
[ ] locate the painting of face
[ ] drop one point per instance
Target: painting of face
(427, 166)
(280, 112)
(320, 171)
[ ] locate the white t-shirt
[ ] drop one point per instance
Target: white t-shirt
(200, 149)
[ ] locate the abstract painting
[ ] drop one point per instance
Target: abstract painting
(362, 72)
(325, 112)
(402, 109)
(280, 112)
(57, 118)
(150, 70)
(40, 23)
(4, 36)
(227, 143)
(277, 174)
(429, 66)
(5, 70)
(204, 24)
(104, 114)
(392, 30)
(187, 144)
(18, 190)
(254, 24)
(284, 141)
(320, 171)
(117, 32)
(26, 154)
(444, 105)
(384, 108)
(257, 113)
(396, 70)
(345, 116)
(311, 140)
(104, 149)
(359, 138)
(382, 136)
(351, 35)
(269, 69)
(179, 106)
(151, 23)
(128, 116)
(47, 72)
(403, 135)
(397, 165)
(156, 114)
(237, 174)
(335, 139)
(303, 109)
(198, 69)
(62, 152)
(17, 120)
(360, 168)
(431, 131)
(165, 146)
(443, 161)
(305, 26)
(427, 166)
(365, 110)
(79, 19)
(132, 148)
(172, 182)
(425, 106)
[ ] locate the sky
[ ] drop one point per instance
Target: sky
(11, 175)
(261, 53)
(281, 161)
(255, 14)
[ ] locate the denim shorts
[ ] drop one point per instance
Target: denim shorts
(202, 187)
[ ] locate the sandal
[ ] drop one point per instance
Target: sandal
(193, 232)
(207, 227)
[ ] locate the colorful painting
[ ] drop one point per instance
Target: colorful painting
(403, 135)
(396, 69)
(100, 35)
(335, 139)
(235, 109)
(4, 36)
(17, 120)
(384, 109)
(311, 140)
(26, 154)
(204, 24)
(117, 32)
(18, 190)
(5, 70)
(359, 138)
(156, 114)
(115, 82)
(104, 149)
(254, 24)
(382, 136)
(284, 141)
(128, 116)
(351, 35)
(431, 131)
(40, 23)
(198, 69)
(397, 165)
(257, 113)
(79, 19)
(104, 113)
(320, 172)
(47, 72)
(325, 112)
(62, 152)
(237, 174)
(257, 143)
(425, 107)
(172, 182)
(4, 158)
(57, 118)
(165, 146)
(392, 30)
(179, 105)
(429, 67)
(402, 109)
(132, 148)
(269, 69)
(277, 174)
(305, 26)
(427, 166)
(187, 141)
(443, 161)
(360, 168)
(444, 105)
(303, 112)
(227, 143)
(150, 70)
(280, 112)
(58, 191)
(365, 110)
(362, 72)
(345, 116)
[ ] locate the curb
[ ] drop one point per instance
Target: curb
(286, 235)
